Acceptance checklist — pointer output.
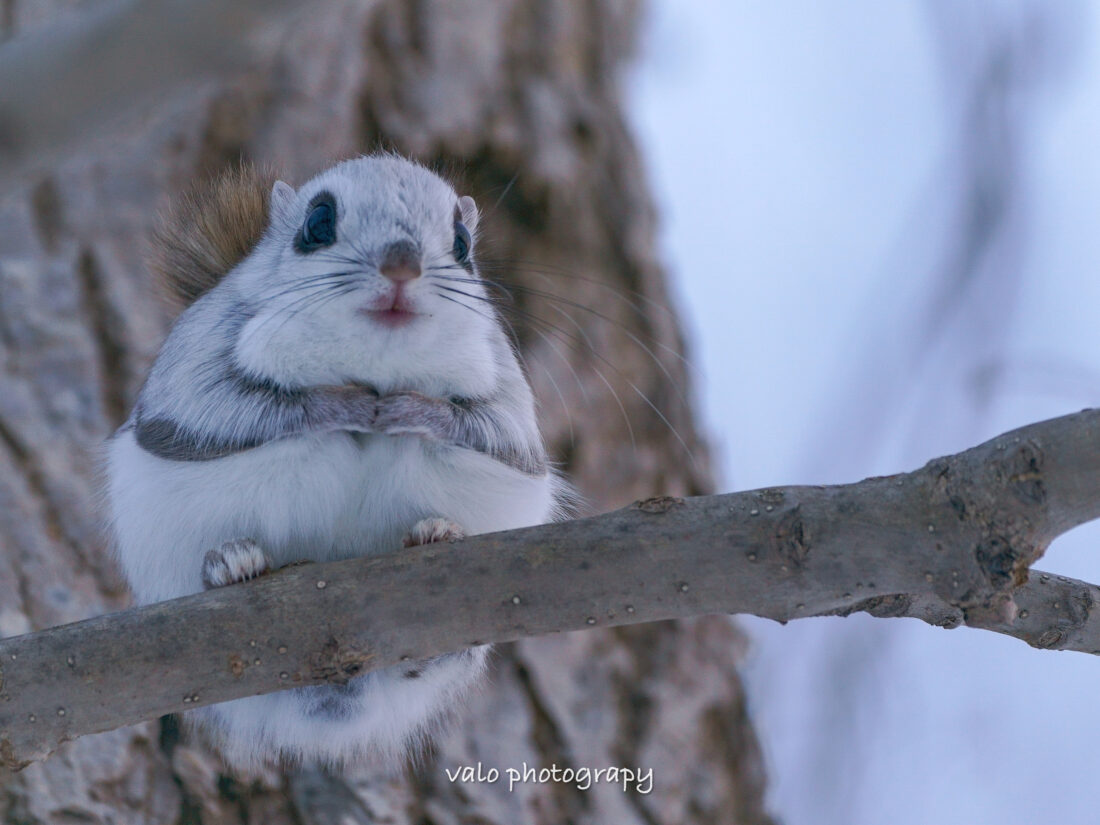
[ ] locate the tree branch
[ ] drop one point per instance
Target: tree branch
(950, 543)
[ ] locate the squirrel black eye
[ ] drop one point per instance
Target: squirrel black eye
(319, 229)
(462, 243)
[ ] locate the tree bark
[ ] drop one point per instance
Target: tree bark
(520, 100)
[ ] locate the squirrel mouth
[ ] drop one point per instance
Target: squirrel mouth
(393, 308)
(393, 317)
(391, 312)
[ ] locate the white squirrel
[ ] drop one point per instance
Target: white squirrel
(338, 387)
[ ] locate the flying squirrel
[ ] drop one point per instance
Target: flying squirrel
(335, 386)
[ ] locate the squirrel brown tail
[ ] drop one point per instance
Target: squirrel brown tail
(207, 230)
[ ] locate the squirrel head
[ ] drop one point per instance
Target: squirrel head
(363, 274)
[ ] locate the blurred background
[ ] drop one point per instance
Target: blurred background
(882, 222)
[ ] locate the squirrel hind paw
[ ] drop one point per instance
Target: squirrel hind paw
(235, 561)
(431, 530)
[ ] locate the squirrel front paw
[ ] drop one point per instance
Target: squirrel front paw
(412, 413)
(235, 561)
(431, 530)
(350, 407)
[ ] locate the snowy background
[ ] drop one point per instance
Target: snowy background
(884, 224)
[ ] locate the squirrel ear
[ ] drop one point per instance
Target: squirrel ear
(468, 209)
(282, 196)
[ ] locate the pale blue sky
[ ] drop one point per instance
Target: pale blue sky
(805, 161)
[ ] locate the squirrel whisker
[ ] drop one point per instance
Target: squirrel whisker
(587, 343)
(526, 365)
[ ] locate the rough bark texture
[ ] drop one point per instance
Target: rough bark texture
(520, 98)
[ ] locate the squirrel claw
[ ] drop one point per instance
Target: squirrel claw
(235, 561)
(431, 530)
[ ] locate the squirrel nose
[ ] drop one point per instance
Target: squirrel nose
(400, 261)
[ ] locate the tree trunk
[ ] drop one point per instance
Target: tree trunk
(519, 101)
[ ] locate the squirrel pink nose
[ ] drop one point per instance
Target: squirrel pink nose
(400, 261)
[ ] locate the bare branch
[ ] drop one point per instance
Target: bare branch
(950, 543)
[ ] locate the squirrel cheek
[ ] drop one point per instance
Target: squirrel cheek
(253, 347)
(268, 348)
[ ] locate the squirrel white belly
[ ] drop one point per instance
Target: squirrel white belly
(337, 387)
